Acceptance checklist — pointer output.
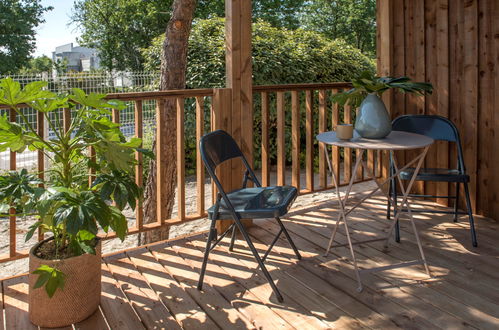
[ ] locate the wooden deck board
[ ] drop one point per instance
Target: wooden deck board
(155, 286)
(186, 311)
(15, 301)
(210, 300)
(144, 300)
(405, 279)
(95, 321)
(241, 298)
(115, 306)
(297, 297)
(342, 277)
(254, 282)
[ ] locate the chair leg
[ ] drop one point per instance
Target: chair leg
(388, 202)
(456, 202)
(470, 215)
(288, 237)
(259, 261)
(233, 238)
(397, 224)
(212, 234)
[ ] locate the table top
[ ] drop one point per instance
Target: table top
(396, 140)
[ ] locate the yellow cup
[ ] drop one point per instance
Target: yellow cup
(344, 131)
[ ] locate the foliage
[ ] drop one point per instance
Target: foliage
(367, 83)
(279, 56)
(278, 13)
(51, 278)
(18, 20)
(352, 20)
(38, 65)
(67, 205)
(119, 29)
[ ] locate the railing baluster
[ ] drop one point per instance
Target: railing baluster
(180, 159)
(213, 126)
(379, 160)
(347, 169)
(160, 162)
(91, 150)
(116, 116)
(281, 151)
(370, 162)
(200, 178)
(139, 171)
(66, 119)
(322, 147)
(295, 129)
(91, 177)
(360, 170)
(40, 128)
(265, 140)
(309, 157)
(12, 210)
(335, 158)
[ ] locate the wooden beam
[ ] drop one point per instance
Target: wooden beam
(221, 119)
(239, 73)
(384, 18)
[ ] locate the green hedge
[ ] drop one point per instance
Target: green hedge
(280, 56)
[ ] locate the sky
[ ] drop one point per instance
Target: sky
(55, 31)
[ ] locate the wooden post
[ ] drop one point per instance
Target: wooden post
(239, 79)
(384, 57)
(221, 119)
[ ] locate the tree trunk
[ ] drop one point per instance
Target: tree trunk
(173, 70)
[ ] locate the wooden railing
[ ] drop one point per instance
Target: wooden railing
(202, 101)
(311, 111)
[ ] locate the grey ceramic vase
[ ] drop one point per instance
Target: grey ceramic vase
(373, 120)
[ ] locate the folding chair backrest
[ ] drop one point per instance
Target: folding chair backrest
(436, 127)
(217, 147)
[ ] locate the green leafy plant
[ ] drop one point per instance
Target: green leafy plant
(50, 277)
(368, 83)
(66, 204)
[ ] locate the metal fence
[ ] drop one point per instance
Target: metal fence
(90, 82)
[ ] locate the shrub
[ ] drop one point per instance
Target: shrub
(280, 56)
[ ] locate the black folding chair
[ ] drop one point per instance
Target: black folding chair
(245, 203)
(440, 129)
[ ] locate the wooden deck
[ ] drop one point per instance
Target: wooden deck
(155, 287)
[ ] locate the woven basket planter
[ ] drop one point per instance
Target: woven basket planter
(78, 300)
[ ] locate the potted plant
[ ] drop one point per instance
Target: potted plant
(373, 120)
(65, 269)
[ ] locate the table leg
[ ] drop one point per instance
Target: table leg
(343, 216)
(419, 160)
(347, 194)
(380, 185)
(405, 193)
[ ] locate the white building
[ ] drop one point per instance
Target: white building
(78, 58)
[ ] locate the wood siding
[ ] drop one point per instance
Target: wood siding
(454, 44)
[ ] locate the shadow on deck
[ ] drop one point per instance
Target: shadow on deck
(155, 286)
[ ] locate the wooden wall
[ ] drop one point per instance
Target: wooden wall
(454, 44)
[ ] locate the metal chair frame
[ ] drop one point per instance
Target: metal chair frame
(460, 178)
(233, 151)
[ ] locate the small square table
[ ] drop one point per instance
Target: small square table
(396, 140)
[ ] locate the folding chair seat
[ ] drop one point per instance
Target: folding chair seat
(258, 202)
(245, 203)
(440, 129)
